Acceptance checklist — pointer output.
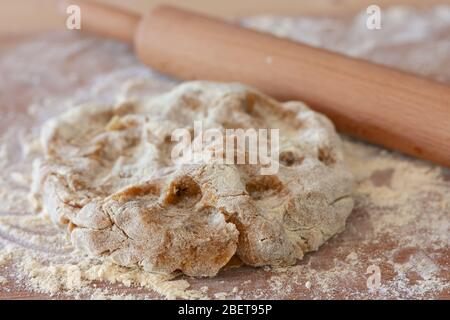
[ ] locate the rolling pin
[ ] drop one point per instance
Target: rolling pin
(378, 104)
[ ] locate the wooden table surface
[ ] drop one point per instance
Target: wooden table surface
(17, 20)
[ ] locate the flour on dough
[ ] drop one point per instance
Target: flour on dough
(108, 176)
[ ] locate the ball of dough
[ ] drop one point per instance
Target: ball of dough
(109, 176)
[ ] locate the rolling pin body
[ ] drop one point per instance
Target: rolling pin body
(381, 105)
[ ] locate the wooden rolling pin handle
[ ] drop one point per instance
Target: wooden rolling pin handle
(107, 21)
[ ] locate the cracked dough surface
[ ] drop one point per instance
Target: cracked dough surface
(108, 176)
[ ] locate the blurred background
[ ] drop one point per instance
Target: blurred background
(18, 17)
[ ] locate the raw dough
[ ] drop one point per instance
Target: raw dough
(108, 175)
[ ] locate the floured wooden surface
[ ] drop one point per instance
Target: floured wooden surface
(400, 223)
